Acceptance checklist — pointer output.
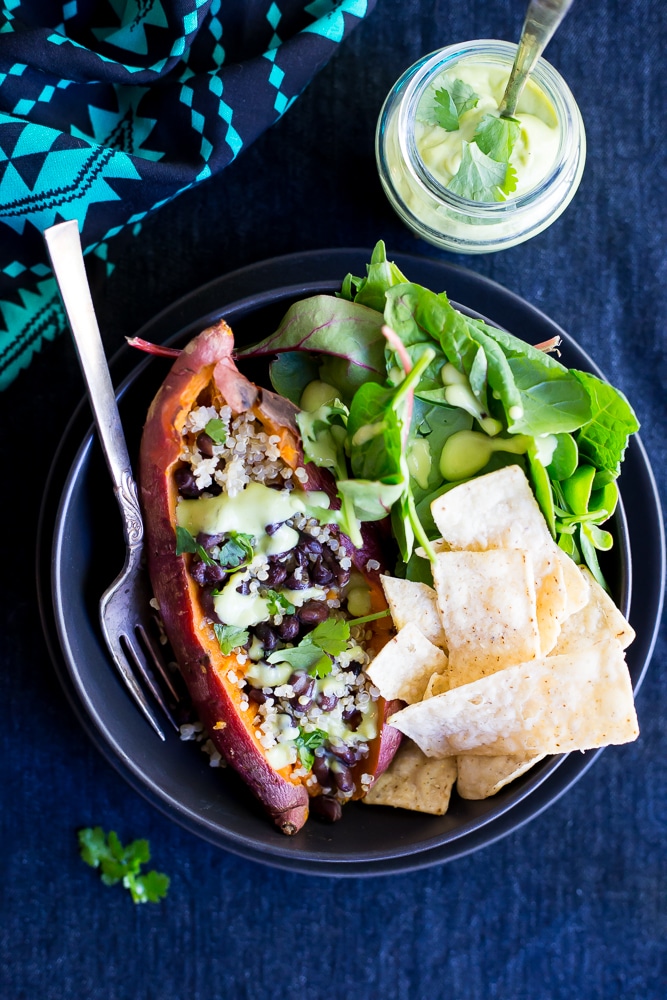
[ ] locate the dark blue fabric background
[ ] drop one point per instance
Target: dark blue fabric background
(571, 907)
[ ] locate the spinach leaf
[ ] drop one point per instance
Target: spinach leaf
(291, 372)
(604, 436)
(381, 275)
(553, 400)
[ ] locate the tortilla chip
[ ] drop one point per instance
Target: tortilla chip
(410, 601)
(599, 618)
(551, 705)
(403, 667)
(436, 685)
(487, 606)
(414, 781)
(576, 584)
(481, 777)
(499, 511)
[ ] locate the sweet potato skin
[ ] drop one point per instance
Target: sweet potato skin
(208, 358)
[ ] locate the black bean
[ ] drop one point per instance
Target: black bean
(326, 808)
(208, 541)
(352, 717)
(320, 574)
(266, 636)
(207, 574)
(185, 483)
(327, 702)
(208, 605)
(288, 628)
(276, 574)
(205, 444)
(322, 771)
(302, 683)
(341, 576)
(313, 612)
(348, 755)
(342, 777)
(330, 557)
(311, 546)
(214, 574)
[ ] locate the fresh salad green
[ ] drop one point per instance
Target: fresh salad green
(403, 397)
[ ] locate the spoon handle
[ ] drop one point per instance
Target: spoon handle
(542, 19)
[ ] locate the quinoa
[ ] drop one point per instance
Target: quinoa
(319, 726)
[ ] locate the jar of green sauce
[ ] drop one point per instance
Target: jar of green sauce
(460, 176)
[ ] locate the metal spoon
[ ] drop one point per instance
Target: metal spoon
(542, 19)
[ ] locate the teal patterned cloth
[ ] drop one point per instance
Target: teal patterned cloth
(111, 108)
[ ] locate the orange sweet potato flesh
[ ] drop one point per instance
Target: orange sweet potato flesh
(207, 364)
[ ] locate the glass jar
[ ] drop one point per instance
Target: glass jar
(439, 215)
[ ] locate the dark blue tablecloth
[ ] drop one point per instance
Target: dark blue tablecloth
(572, 906)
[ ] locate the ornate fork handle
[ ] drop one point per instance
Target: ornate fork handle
(128, 500)
(64, 245)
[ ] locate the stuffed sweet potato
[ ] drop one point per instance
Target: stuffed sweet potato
(256, 588)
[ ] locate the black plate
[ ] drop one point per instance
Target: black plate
(80, 551)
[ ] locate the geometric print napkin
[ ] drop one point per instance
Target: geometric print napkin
(111, 108)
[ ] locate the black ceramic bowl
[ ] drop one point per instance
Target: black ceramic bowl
(81, 551)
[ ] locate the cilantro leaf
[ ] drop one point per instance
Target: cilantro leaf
(230, 637)
(216, 430)
(122, 864)
(278, 604)
(497, 136)
(315, 650)
(479, 178)
(322, 667)
(306, 743)
(305, 656)
(332, 635)
(186, 543)
(148, 888)
(448, 104)
(236, 550)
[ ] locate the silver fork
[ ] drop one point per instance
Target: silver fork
(125, 610)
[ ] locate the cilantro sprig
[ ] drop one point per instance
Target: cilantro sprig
(230, 637)
(485, 172)
(234, 552)
(449, 103)
(307, 743)
(122, 864)
(316, 650)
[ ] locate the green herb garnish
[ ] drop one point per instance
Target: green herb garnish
(123, 864)
(449, 103)
(485, 172)
(216, 430)
(306, 743)
(230, 637)
(236, 550)
(315, 651)
(278, 604)
(186, 543)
